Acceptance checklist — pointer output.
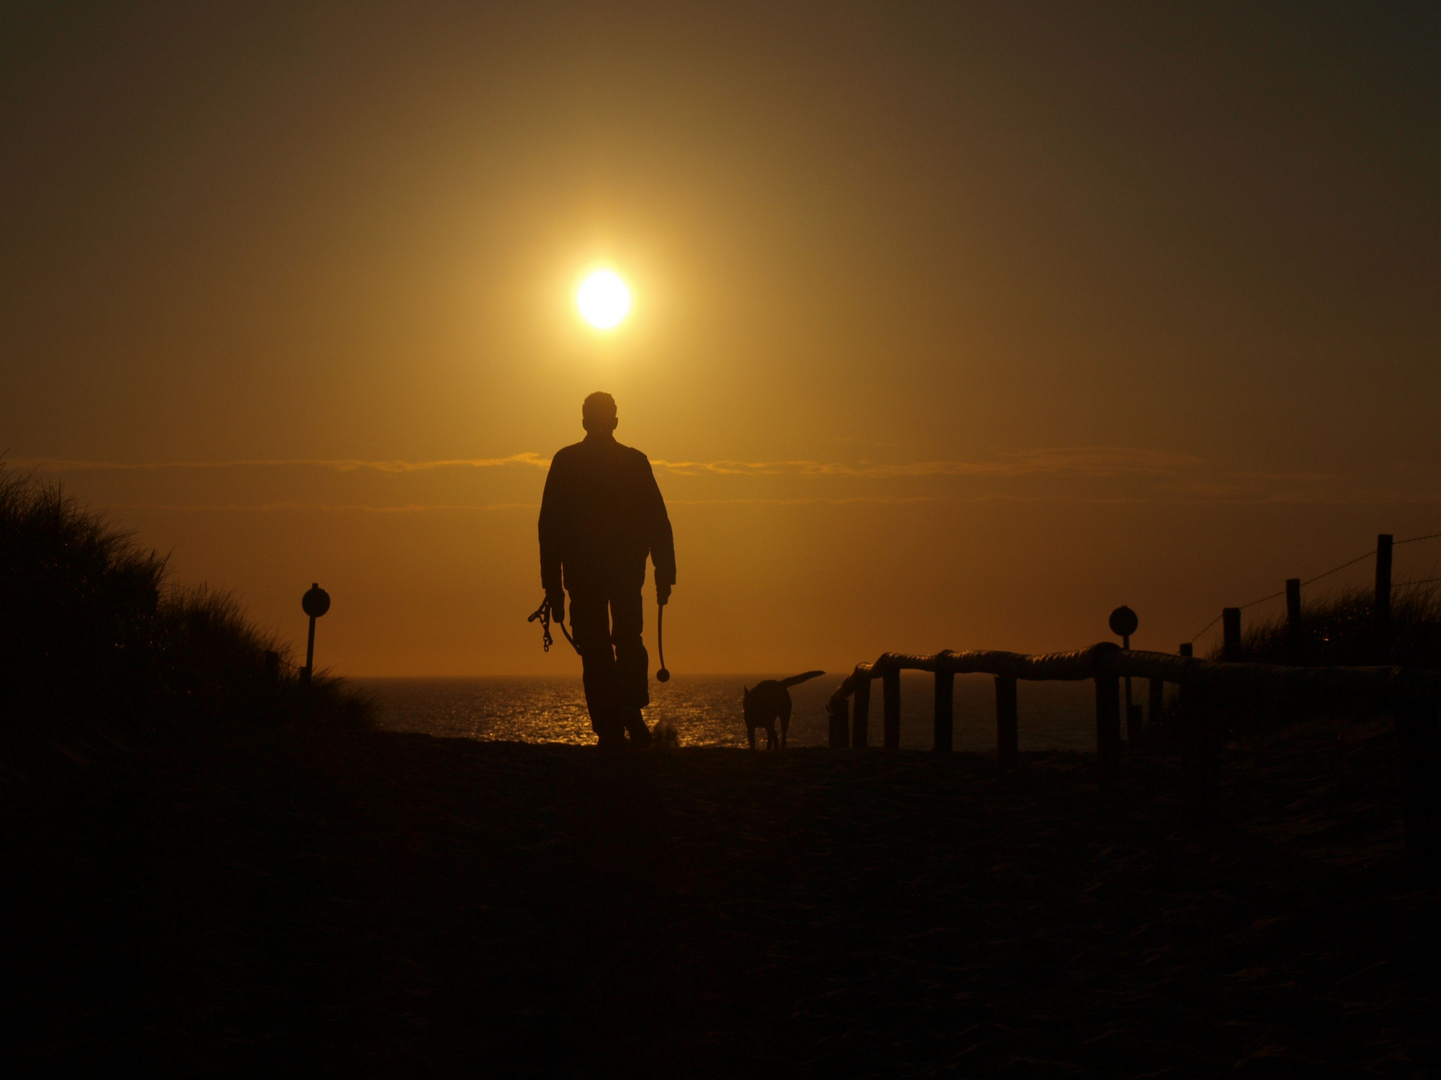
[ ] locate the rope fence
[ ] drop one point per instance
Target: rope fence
(1385, 542)
(1411, 695)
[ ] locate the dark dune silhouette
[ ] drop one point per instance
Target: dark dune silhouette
(92, 633)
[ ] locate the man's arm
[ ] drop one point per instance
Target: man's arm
(660, 537)
(551, 528)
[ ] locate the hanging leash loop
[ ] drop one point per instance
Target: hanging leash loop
(663, 675)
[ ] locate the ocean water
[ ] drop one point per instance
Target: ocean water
(706, 710)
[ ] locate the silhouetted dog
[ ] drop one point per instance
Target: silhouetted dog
(768, 702)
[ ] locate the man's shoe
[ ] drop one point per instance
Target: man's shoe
(639, 733)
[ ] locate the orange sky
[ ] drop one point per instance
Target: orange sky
(955, 326)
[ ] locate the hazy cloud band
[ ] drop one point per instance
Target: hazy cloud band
(1094, 461)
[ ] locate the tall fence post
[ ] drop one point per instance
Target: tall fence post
(1108, 728)
(1383, 582)
(838, 714)
(1007, 734)
(891, 706)
(1293, 616)
(1185, 649)
(861, 714)
(945, 714)
(1156, 705)
(1230, 633)
(1419, 733)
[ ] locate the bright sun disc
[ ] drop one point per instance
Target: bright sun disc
(603, 299)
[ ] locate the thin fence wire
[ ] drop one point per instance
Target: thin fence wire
(1335, 569)
(1414, 539)
(1328, 573)
(1208, 626)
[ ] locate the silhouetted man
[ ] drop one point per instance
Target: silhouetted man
(601, 515)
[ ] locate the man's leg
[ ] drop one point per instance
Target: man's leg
(632, 665)
(590, 623)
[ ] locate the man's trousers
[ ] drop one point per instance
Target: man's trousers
(607, 623)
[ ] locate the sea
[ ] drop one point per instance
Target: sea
(705, 710)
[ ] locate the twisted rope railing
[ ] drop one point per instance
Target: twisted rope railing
(1108, 659)
(1412, 695)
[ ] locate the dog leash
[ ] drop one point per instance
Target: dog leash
(543, 614)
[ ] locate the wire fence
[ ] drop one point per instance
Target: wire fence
(1328, 573)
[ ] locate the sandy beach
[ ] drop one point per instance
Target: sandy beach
(391, 904)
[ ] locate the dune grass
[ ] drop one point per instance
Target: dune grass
(1343, 630)
(93, 631)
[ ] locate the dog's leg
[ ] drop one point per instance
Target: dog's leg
(752, 733)
(785, 720)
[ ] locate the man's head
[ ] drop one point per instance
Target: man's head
(598, 413)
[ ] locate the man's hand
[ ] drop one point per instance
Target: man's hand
(662, 593)
(557, 605)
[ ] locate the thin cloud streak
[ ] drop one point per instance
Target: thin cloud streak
(411, 508)
(1167, 477)
(331, 464)
(1375, 499)
(1094, 461)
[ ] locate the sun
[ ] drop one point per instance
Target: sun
(603, 299)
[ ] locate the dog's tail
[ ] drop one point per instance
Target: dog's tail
(800, 678)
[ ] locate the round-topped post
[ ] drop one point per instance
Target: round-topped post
(1123, 623)
(315, 603)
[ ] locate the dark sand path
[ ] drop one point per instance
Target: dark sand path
(378, 904)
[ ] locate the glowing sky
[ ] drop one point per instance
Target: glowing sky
(955, 326)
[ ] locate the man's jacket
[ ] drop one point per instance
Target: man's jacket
(601, 515)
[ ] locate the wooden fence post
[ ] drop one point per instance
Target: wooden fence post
(838, 713)
(1156, 706)
(1108, 728)
(1383, 582)
(891, 706)
(861, 714)
(1293, 616)
(1185, 649)
(1230, 633)
(945, 712)
(1135, 724)
(1007, 734)
(1419, 734)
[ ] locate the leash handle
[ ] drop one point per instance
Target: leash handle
(543, 614)
(662, 675)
